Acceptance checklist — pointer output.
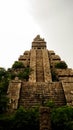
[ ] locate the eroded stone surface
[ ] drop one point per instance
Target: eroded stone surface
(40, 84)
(45, 121)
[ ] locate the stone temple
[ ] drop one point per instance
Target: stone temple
(40, 86)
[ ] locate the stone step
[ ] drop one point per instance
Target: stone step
(53, 92)
(39, 66)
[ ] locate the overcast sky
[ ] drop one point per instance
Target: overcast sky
(22, 20)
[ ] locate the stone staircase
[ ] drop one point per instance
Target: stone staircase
(32, 94)
(39, 66)
(27, 96)
(58, 95)
(24, 96)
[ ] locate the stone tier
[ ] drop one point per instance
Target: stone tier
(32, 95)
(68, 90)
(39, 66)
(65, 75)
(13, 93)
(25, 58)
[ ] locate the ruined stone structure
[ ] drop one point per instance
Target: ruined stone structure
(45, 121)
(40, 84)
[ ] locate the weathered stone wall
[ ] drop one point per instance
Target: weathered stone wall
(68, 91)
(39, 66)
(45, 118)
(40, 87)
(53, 58)
(34, 94)
(46, 66)
(25, 58)
(39, 63)
(32, 77)
(13, 93)
(38, 43)
(65, 75)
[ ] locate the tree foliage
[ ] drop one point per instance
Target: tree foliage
(6, 76)
(3, 97)
(17, 64)
(24, 74)
(27, 119)
(2, 73)
(50, 104)
(62, 118)
(61, 65)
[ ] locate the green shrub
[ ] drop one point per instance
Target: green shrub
(6, 122)
(17, 64)
(26, 119)
(3, 98)
(61, 65)
(3, 103)
(24, 74)
(62, 118)
(50, 104)
(2, 73)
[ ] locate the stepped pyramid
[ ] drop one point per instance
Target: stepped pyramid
(40, 86)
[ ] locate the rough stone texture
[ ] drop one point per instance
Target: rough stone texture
(38, 43)
(32, 77)
(45, 121)
(68, 90)
(46, 66)
(53, 58)
(51, 52)
(39, 66)
(40, 85)
(65, 76)
(40, 88)
(65, 72)
(14, 93)
(33, 94)
(25, 58)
